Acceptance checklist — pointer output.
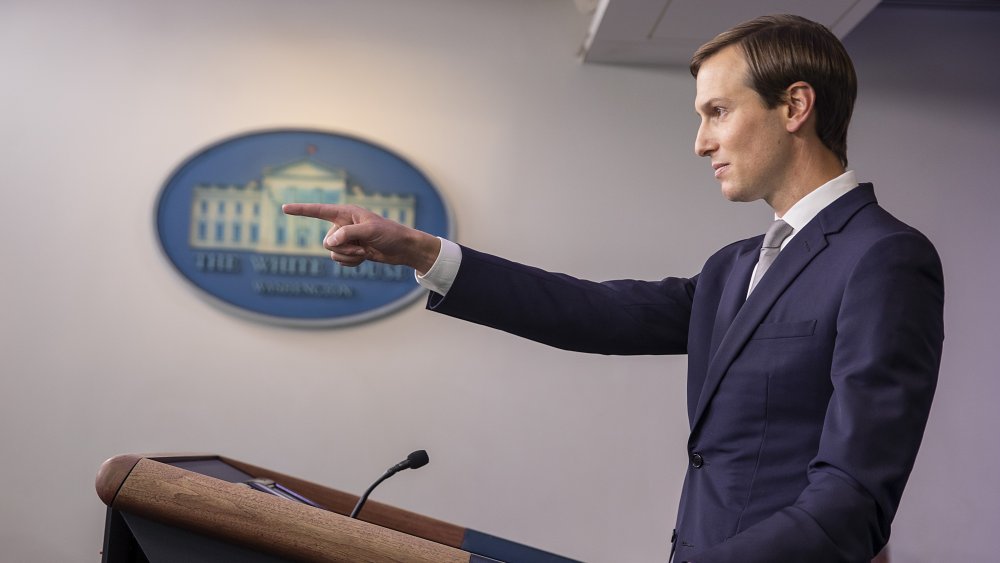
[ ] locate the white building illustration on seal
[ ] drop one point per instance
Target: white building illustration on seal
(249, 217)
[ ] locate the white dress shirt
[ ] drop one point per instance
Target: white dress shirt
(805, 209)
(815, 201)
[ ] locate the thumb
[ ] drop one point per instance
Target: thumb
(360, 234)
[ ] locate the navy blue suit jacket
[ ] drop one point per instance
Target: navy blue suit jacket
(807, 401)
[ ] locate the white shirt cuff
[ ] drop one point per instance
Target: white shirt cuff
(444, 270)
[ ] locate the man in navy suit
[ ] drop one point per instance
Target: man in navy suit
(812, 361)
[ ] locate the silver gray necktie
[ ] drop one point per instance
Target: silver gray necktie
(776, 234)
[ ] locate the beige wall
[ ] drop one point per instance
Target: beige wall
(582, 169)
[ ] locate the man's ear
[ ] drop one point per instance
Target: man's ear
(800, 103)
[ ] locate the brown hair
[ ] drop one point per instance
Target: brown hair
(783, 49)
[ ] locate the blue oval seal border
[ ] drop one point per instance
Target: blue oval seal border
(219, 222)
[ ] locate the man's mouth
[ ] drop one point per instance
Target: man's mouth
(720, 168)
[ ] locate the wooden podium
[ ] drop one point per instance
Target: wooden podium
(196, 508)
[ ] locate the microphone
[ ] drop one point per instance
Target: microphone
(415, 460)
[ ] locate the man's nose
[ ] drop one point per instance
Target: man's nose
(703, 143)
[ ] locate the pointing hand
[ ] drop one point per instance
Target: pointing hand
(358, 235)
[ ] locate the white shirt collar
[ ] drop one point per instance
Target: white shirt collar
(815, 201)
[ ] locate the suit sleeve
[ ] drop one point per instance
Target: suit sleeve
(884, 373)
(616, 317)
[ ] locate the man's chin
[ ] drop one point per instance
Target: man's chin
(734, 194)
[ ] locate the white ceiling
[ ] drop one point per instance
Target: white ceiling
(667, 32)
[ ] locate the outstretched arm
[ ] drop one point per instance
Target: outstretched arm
(358, 235)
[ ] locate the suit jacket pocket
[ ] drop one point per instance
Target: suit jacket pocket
(785, 330)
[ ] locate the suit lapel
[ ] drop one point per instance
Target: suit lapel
(734, 293)
(802, 249)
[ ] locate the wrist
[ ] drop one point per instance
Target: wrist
(426, 248)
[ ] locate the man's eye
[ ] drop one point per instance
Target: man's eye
(719, 111)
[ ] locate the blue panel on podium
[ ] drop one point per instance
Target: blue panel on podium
(506, 550)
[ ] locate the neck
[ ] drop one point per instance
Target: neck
(811, 170)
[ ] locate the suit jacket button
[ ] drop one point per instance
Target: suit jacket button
(696, 460)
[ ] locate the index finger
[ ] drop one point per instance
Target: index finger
(325, 211)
